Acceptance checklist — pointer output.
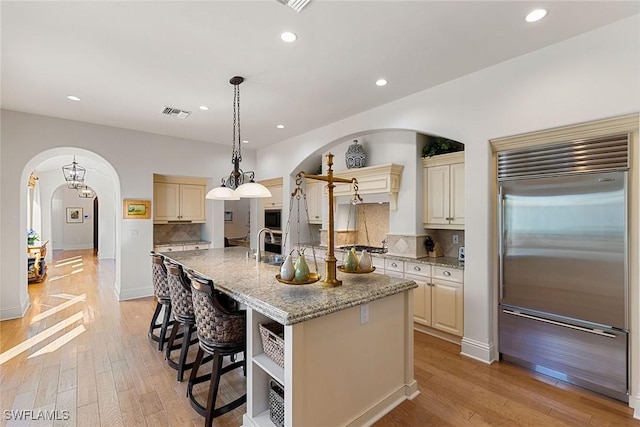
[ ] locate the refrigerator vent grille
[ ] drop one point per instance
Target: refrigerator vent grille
(592, 155)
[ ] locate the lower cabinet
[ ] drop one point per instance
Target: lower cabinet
(438, 299)
(183, 247)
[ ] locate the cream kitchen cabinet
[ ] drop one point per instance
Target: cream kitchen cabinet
(275, 201)
(180, 199)
(314, 201)
(438, 299)
(443, 179)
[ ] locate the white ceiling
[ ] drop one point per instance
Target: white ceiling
(127, 60)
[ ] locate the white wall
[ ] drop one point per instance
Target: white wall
(239, 227)
(29, 139)
(589, 77)
(75, 235)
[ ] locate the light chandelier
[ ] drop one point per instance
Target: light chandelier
(74, 174)
(234, 187)
(84, 192)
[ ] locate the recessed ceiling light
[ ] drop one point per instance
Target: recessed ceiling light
(536, 15)
(288, 37)
(204, 108)
(73, 98)
(244, 141)
(381, 82)
(280, 126)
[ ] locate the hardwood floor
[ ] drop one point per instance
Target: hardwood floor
(87, 356)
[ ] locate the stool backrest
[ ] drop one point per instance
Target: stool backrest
(179, 290)
(159, 272)
(216, 322)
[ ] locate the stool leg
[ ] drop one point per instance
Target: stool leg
(172, 338)
(165, 325)
(154, 319)
(194, 370)
(216, 372)
(186, 342)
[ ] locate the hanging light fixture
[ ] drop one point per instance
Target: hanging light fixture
(234, 186)
(85, 192)
(74, 174)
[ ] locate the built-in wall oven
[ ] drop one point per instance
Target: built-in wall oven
(272, 219)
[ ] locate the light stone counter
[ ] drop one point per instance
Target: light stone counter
(236, 275)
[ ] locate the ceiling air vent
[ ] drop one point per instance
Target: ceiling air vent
(296, 5)
(176, 112)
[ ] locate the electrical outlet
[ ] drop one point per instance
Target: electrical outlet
(364, 313)
(455, 239)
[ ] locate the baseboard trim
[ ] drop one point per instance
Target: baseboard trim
(386, 405)
(109, 255)
(485, 353)
(134, 293)
(436, 333)
(77, 247)
(15, 312)
(636, 406)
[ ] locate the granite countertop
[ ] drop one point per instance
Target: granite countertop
(183, 242)
(451, 262)
(235, 274)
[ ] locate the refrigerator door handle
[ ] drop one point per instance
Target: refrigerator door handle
(500, 243)
(564, 325)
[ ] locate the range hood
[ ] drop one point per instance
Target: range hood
(381, 179)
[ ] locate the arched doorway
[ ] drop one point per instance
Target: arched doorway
(101, 177)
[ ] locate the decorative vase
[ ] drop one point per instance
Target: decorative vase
(302, 270)
(365, 261)
(287, 271)
(351, 263)
(355, 155)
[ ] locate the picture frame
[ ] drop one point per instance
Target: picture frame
(74, 215)
(228, 215)
(136, 209)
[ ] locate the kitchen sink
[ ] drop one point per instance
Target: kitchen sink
(272, 259)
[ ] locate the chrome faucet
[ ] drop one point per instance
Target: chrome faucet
(273, 240)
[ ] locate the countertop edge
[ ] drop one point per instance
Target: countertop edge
(282, 317)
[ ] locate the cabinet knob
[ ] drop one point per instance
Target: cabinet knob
(197, 247)
(416, 268)
(169, 249)
(446, 273)
(393, 264)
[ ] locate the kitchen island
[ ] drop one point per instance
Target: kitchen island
(348, 351)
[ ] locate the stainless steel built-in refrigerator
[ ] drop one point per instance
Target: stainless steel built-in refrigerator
(563, 273)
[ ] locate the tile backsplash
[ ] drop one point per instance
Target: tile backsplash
(169, 233)
(377, 223)
(445, 239)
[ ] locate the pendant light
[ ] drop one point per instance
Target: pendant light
(233, 187)
(86, 192)
(74, 174)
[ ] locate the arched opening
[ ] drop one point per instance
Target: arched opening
(51, 202)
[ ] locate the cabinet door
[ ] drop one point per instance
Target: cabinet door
(421, 300)
(314, 202)
(456, 202)
(166, 201)
(446, 305)
(437, 197)
(192, 202)
(275, 201)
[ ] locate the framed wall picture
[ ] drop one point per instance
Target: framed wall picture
(74, 215)
(136, 209)
(228, 215)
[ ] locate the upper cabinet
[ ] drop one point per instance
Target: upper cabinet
(314, 201)
(178, 199)
(443, 177)
(275, 201)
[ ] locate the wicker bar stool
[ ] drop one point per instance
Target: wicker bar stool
(221, 330)
(161, 292)
(182, 309)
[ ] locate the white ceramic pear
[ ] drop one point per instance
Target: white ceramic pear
(365, 263)
(287, 270)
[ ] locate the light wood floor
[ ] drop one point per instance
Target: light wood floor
(109, 373)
